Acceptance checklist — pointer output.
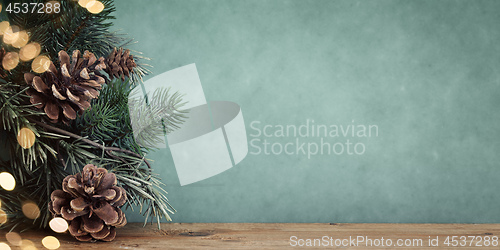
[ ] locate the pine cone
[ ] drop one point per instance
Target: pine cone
(64, 93)
(90, 202)
(120, 64)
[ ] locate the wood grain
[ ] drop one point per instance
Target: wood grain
(272, 236)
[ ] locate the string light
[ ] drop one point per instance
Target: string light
(26, 138)
(51, 242)
(40, 64)
(31, 210)
(7, 181)
(58, 225)
(30, 51)
(10, 60)
(22, 39)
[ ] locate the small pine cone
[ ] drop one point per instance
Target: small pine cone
(90, 202)
(65, 92)
(120, 64)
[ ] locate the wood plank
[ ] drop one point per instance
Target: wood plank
(278, 236)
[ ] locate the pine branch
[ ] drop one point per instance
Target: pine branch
(77, 32)
(95, 144)
(162, 115)
(102, 135)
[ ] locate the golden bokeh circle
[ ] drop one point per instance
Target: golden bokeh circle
(40, 64)
(58, 225)
(28, 245)
(11, 34)
(7, 181)
(31, 210)
(51, 242)
(84, 3)
(4, 26)
(3, 217)
(30, 51)
(94, 7)
(14, 238)
(22, 39)
(26, 138)
(10, 60)
(4, 246)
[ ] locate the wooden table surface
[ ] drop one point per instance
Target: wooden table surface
(279, 236)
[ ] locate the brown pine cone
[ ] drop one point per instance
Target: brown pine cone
(61, 94)
(120, 64)
(90, 202)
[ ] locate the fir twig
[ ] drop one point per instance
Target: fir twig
(95, 144)
(77, 32)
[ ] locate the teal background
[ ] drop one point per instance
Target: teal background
(426, 72)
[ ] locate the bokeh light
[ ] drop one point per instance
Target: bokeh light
(94, 7)
(84, 3)
(4, 26)
(22, 39)
(26, 138)
(4, 246)
(11, 34)
(31, 210)
(51, 242)
(40, 64)
(30, 51)
(58, 225)
(10, 60)
(7, 181)
(3, 217)
(28, 245)
(14, 238)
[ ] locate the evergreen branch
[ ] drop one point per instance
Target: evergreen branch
(102, 134)
(161, 116)
(77, 32)
(95, 144)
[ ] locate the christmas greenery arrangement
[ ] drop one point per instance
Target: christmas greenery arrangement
(69, 149)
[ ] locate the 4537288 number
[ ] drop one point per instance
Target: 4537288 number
(34, 8)
(471, 241)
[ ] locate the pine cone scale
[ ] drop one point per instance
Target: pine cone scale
(52, 110)
(75, 228)
(85, 237)
(69, 214)
(101, 234)
(107, 213)
(92, 224)
(111, 236)
(79, 204)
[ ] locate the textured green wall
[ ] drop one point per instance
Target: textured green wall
(425, 72)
